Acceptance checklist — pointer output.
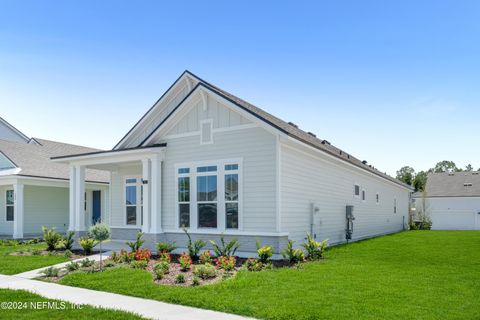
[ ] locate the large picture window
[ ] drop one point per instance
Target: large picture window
(9, 205)
(208, 195)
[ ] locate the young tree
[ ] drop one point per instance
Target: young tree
(406, 174)
(100, 232)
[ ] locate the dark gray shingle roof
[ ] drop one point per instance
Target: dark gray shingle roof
(34, 160)
(455, 184)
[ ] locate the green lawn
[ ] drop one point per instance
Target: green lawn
(85, 312)
(414, 274)
(17, 264)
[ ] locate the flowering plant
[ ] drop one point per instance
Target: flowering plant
(165, 256)
(206, 257)
(185, 261)
(143, 254)
(226, 263)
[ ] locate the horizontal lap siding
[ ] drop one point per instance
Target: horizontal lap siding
(45, 206)
(255, 146)
(306, 179)
(117, 185)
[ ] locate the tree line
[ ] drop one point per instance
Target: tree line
(418, 179)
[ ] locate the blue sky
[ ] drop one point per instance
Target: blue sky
(393, 83)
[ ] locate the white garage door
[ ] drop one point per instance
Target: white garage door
(455, 220)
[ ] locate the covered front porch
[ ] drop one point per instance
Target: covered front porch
(135, 190)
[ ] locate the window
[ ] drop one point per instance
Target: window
(356, 190)
(184, 201)
(363, 195)
(206, 134)
(9, 204)
(395, 205)
(208, 196)
(377, 198)
(131, 202)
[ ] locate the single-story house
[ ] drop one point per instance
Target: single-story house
(451, 199)
(34, 191)
(204, 159)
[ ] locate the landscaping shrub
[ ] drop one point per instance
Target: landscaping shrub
(253, 264)
(165, 256)
(165, 247)
(51, 272)
(143, 254)
(180, 278)
(126, 257)
(72, 266)
(205, 271)
(313, 248)
(109, 263)
(195, 281)
(185, 262)
(139, 264)
(87, 244)
(162, 266)
(265, 253)
(293, 255)
(85, 263)
(99, 232)
(68, 254)
(51, 238)
(206, 257)
(194, 247)
(33, 241)
(137, 244)
(36, 252)
(226, 263)
(68, 240)
(225, 249)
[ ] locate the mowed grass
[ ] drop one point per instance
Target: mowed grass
(409, 275)
(64, 311)
(16, 264)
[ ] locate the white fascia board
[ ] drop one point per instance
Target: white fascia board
(295, 144)
(184, 79)
(9, 172)
(111, 157)
(190, 102)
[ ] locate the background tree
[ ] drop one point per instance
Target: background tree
(420, 181)
(445, 165)
(468, 167)
(406, 174)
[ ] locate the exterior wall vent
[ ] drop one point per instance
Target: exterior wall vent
(468, 184)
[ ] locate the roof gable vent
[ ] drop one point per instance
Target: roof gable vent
(468, 184)
(293, 125)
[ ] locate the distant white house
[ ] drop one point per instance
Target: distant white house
(207, 160)
(452, 200)
(34, 190)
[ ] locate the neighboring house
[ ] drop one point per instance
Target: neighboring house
(452, 200)
(205, 159)
(34, 190)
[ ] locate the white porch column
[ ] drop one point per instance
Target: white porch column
(146, 181)
(18, 211)
(156, 194)
(72, 216)
(80, 198)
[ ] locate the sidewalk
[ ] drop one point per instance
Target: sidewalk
(146, 308)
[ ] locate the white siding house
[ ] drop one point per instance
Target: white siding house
(34, 191)
(452, 200)
(205, 159)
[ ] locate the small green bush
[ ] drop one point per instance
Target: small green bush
(265, 253)
(72, 266)
(293, 255)
(205, 271)
(313, 248)
(109, 263)
(85, 263)
(87, 244)
(194, 247)
(162, 266)
(253, 265)
(225, 249)
(195, 281)
(137, 244)
(36, 252)
(51, 238)
(68, 254)
(139, 264)
(180, 278)
(166, 247)
(51, 272)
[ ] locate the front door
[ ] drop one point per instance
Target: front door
(96, 206)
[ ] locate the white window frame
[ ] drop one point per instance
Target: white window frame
(139, 203)
(9, 205)
(210, 139)
(355, 185)
(177, 200)
(221, 208)
(231, 172)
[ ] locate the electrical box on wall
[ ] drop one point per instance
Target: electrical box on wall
(349, 219)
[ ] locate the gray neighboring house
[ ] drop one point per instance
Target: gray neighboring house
(34, 191)
(452, 199)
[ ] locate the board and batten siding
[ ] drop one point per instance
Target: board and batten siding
(310, 177)
(256, 148)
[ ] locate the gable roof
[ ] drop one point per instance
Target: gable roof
(34, 160)
(14, 131)
(454, 184)
(283, 126)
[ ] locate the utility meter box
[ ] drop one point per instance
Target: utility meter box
(349, 219)
(349, 211)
